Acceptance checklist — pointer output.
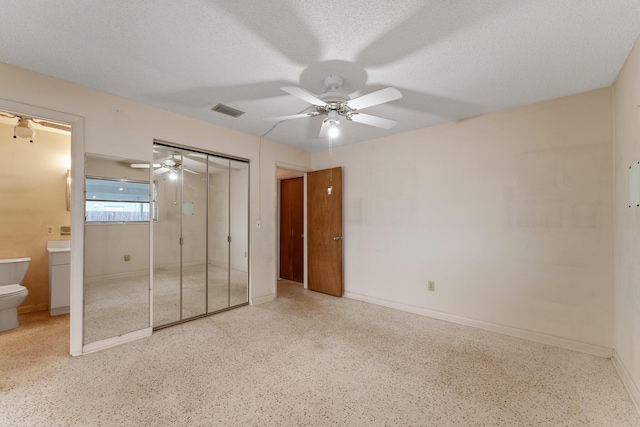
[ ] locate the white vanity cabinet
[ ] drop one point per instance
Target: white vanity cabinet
(59, 277)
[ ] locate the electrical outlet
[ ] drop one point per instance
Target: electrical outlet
(49, 230)
(431, 286)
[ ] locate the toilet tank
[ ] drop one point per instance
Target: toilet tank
(12, 270)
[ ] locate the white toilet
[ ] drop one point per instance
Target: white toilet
(12, 293)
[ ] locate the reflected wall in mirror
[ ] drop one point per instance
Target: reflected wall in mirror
(117, 247)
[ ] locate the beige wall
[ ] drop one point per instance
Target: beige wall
(118, 127)
(627, 225)
(509, 213)
(33, 193)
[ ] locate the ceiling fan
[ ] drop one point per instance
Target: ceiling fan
(23, 128)
(169, 164)
(335, 104)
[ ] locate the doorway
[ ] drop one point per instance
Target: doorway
(36, 172)
(320, 195)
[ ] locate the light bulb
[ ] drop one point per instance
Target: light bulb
(334, 131)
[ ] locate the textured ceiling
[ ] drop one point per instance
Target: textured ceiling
(450, 59)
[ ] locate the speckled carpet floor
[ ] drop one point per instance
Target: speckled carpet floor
(308, 359)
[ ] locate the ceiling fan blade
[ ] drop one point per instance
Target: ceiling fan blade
(293, 116)
(304, 95)
(374, 98)
(376, 121)
(144, 165)
(161, 160)
(161, 171)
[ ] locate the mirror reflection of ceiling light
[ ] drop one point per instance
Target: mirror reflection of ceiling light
(334, 131)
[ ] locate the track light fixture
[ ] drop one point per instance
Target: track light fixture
(23, 129)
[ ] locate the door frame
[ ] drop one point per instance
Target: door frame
(296, 171)
(77, 210)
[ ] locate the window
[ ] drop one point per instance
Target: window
(112, 200)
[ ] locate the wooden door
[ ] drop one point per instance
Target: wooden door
(324, 210)
(292, 229)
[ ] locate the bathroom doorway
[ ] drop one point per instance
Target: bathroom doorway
(36, 152)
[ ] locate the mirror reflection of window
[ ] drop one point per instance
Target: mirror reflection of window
(110, 200)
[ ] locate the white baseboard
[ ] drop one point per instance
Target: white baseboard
(506, 330)
(262, 300)
(112, 342)
(631, 387)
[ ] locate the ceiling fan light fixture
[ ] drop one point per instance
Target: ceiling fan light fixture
(334, 104)
(23, 129)
(333, 119)
(334, 131)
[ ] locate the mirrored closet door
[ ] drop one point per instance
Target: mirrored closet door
(116, 247)
(200, 234)
(239, 230)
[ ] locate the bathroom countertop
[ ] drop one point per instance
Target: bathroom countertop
(58, 246)
(58, 249)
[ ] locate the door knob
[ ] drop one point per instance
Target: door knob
(337, 237)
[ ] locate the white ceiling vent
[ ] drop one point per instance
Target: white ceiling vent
(229, 111)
